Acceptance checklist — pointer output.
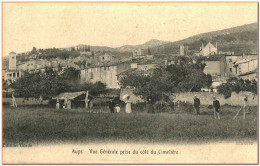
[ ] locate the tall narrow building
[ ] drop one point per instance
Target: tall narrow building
(12, 61)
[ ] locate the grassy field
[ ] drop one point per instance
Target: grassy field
(47, 125)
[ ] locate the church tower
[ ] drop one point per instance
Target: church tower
(12, 61)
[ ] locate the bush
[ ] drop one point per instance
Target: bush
(185, 107)
(100, 102)
(236, 85)
(163, 106)
(139, 107)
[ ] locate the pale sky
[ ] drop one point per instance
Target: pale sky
(47, 25)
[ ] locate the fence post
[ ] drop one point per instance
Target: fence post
(86, 101)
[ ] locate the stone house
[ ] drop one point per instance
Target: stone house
(105, 58)
(12, 73)
(232, 59)
(246, 69)
(209, 49)
(106, 73)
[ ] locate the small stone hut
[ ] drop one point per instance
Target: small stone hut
(71, 100)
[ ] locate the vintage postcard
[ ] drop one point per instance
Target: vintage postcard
(129, 82)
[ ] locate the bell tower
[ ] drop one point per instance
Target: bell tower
(12, 61)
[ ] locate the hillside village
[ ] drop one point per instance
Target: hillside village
(128, 82)
(108, 67)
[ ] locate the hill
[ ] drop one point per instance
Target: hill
(131, 48)
(125, 48)
(236, 39)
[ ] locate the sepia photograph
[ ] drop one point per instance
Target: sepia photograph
(129, 82)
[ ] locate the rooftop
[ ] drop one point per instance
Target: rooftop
(241, 55)
(70, 95)
(136, 71)
(107, 64)
(244, 61)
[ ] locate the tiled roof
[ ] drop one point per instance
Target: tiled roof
(244, 61)
(128, 71)
(107, 64)
(70, 95)
(135, 70)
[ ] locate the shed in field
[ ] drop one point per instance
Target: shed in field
(74, 100)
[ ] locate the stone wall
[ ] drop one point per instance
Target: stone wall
(21, 101)
(206, 98)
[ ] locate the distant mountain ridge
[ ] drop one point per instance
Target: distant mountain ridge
(126, 48)
(150, 43)
(232, 39)
(237, 39)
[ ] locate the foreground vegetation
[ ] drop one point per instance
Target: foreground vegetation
(47, 125)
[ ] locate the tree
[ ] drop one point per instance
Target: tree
(34, 50)
(208, 81)
(46, 84)
(94, 89)
(51, 83)
(175, 78)
(236, 85)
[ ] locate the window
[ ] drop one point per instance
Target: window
(108, 68)
(91, 75)
(10, 75)
(230, 60)
(105, 68)
(239, 70)
(13, 75)
(230, 69)
(17, 74)
(103, 58)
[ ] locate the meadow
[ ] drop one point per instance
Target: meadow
(47, 125)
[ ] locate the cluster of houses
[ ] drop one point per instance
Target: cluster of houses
(224, 65)
(107, 70)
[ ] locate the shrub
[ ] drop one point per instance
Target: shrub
(139, 107)
(185, 106)
(163, 106)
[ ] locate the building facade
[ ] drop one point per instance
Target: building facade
(209, 49)
(106, 74)
(139, 52)
(215, 68)
(12, 61)
(12, 74)
(105, 58)
(184, 50)
(246, 69)
(232, 59)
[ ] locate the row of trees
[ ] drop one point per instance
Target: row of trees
(50, 83)
(50, 53)
(57, 53)
(236, 85)
(183, 77)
